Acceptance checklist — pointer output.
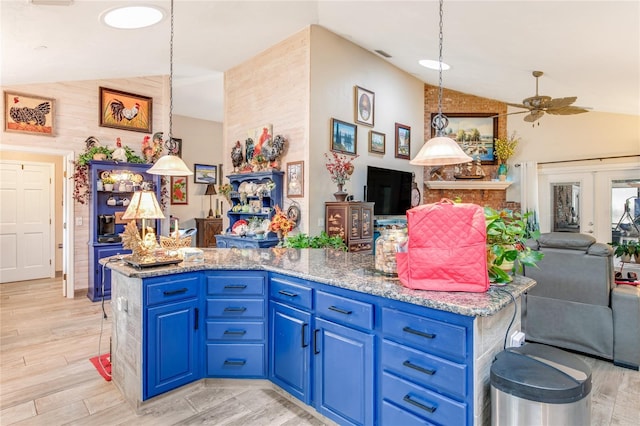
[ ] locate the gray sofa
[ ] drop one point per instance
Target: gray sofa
(576, 304)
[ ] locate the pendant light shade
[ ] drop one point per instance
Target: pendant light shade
(440, 151)
(170, 165)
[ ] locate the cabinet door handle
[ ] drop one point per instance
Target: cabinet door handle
(315, 341)
(342, 311)
(288, 294)
(174, 292)
(235, 286)
(235, 362)
(419, 333)
(235, 332)
(303, 337)
(409, 364)
(407, 398)
(235, 309)
(197, 319)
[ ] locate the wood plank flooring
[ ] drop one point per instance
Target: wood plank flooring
(46, 377)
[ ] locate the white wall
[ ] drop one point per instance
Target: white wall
(338, 65)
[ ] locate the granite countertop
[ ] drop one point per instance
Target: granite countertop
(352, 271)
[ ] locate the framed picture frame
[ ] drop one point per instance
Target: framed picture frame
(364, 106)
(295, 179)
(179, 189)
(377, 142)
(205, 173)
(125, 111)
(344, 137)
(29, 114)
(403, 141)
(475, 132)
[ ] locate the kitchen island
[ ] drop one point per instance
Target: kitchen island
(323, 325)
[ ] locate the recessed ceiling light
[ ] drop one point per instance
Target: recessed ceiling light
(132, 17)
(433, 65)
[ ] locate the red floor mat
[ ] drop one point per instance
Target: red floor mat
(103, 365)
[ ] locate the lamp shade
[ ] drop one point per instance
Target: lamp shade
(211, 189)
(170, 165)
(143, 205)
(440, 151)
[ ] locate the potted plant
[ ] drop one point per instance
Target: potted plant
(504, 149)
(108, 183)
(626, 251)
(323, 240)
(340, 167)
(506, 235)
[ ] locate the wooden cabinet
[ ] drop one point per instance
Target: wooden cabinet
(105, 207)
(207, 231)
(353, 221)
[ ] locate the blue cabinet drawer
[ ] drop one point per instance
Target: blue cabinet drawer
(427, 370)
(425, 334)
(422, 402)
(235, 285)
(235, 308)
(235, 360)
(291, 293)
(394, 415)
(345, 311)
(235, 330)
(171, 289)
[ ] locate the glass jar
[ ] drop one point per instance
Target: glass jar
(390, 242)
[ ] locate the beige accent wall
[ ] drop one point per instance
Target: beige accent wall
(57, 194)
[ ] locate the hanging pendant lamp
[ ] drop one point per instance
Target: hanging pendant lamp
(441, 150)
(170, 165)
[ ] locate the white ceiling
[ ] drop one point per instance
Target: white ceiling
(588, 49)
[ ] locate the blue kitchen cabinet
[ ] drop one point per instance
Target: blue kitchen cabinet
(172, 311)
(102, 274)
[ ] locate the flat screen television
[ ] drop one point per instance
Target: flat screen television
(390, 190)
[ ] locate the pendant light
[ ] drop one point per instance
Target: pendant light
(170, 165)
(441, 150)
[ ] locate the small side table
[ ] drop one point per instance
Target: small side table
(208, 228)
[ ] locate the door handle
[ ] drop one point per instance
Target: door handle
(197, 319)
(303, 337)
(315, 341)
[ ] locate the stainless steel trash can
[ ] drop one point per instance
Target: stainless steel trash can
(540, 385)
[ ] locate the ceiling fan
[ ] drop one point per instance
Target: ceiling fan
(537, 105)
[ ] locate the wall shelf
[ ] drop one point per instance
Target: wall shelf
(467, 184)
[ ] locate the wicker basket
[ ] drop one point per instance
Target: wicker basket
(175, 243)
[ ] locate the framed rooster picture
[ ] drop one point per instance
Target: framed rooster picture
(28, 114)
(125, 111)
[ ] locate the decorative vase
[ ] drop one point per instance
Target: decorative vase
(340, 194)
(502, 172)
(280, 235)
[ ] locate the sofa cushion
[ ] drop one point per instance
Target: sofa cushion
(566, 240)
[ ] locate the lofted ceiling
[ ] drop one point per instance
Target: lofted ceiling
(588, 49)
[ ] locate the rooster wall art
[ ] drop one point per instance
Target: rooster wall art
(125, 111)
(28, 114)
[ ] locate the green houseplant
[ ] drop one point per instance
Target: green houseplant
(626, 251)
(506, 249)
(323, 240)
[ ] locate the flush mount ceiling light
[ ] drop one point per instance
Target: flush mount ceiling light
(132, 17)
(433, 64)
(441, 150)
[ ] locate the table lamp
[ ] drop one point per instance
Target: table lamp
(143, 205)
(211, 190)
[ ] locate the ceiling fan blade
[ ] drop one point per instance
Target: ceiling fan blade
(518, 105)
(510, 113)
(534, 116)
(560, 102)
(569, 110)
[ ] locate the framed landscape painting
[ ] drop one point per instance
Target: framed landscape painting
(403, 141)
(125, 111)
(204, 173)
(343, 137)
(475, 132)
(376, 142)
(28, 114)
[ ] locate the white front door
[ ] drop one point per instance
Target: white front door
(579, 199)
(26, 221)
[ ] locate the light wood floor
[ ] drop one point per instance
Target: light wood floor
(46, 377)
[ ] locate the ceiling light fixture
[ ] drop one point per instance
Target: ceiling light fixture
(132, 17)
(440, 151)
(433, 65)
(170, 165)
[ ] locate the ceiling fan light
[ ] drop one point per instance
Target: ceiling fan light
(440, 151)
(433, 64)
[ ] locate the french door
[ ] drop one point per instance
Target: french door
(579, 198)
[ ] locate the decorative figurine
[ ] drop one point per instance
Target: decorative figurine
(236, 157)
(119, 154)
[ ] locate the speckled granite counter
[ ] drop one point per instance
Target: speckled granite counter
(346, 270)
